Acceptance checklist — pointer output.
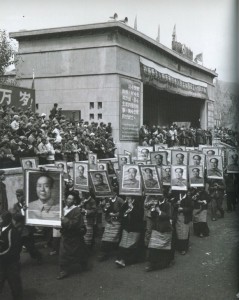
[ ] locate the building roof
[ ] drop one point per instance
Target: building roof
(28, 34)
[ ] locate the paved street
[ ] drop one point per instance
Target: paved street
(207, 272)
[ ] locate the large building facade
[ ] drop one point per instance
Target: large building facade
(110, 72)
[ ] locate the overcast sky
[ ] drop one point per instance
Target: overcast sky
(207, 26)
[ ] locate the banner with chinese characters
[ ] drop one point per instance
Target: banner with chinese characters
(171, 81)
(19, 97)
(130, 93)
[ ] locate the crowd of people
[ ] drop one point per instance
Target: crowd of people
(131, 228)
(190, 137)
(28, 134)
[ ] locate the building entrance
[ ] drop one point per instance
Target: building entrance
(164, 108)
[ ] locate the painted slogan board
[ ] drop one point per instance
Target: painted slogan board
(130, 93)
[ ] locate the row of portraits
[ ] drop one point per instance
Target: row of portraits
(44, 190)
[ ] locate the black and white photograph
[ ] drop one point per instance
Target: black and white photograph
(159, 158)
(123, 159)
(179, 158)
(196, 159)
(214, 167)
(143, 153)
(61, 166)
(196, 176)
(80, 176)
(92, 160)
(43, 198)
(179, 178)
(130, 183)
(166, 175)
(100, 183)
(29, 163)
(151, 181)
(130, 111)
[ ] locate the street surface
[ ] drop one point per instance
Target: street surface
(208, 271)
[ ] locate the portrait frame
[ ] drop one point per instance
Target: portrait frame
(84, 186)
(142, 156)
(120, 156)
(164, 154)
(220, 166)
(157, 190)
(231, 168)
(125, 186)
(102, 166)
(34, 161)
(100, 190)
(191, 160)
(176, 186)
(192, 182)
(165, 181)
(61, 162)
(38, 214)
(92, 166)
(174, 157)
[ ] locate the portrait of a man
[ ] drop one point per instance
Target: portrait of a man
(179, 158)
(214, 167)
(61, 166)
(166, 175)
(81, 178)
(92, 159)
(29, 163)
(143, 152)
(178, 178)
(149, 179)
(100, 182)
(123, 160)
(158, 158)
(44, 193)
(196, 176)
(130, 180)
(102, 167)
(233, 165)
(196, 159)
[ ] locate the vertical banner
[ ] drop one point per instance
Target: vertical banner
(210, 115)
(130, 93)
(19, 97)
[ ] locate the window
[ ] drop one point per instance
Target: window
(91, 105)
(99, 105)
(99, 116)
(92, 116)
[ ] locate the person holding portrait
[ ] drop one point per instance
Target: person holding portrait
(73, 251)
(44, 207)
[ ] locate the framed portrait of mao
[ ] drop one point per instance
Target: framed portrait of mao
(151, 180)
(100, 183)
(80, 176)
(44, 192)
(130, 180)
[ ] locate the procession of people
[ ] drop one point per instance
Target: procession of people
(141, 210)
